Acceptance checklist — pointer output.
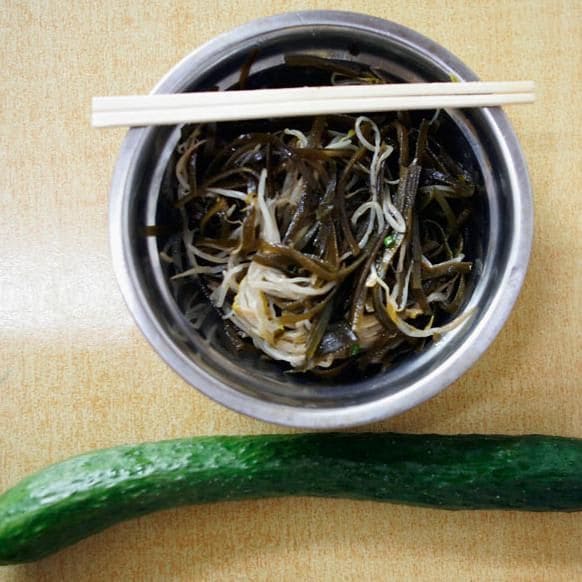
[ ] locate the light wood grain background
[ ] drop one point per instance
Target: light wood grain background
(75, 374)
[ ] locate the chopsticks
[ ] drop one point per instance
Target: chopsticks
(140, 110)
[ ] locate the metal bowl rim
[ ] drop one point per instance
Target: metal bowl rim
(324, 418)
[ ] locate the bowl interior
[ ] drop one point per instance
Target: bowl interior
(469, 134)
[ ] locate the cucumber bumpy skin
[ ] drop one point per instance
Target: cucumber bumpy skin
(71, 500)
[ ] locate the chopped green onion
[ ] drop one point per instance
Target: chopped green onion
(390, 241)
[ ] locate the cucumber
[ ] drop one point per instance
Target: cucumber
(71, 500)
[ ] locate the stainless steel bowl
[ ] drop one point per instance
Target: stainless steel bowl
(257, 387)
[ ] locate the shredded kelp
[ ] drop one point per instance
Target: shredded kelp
(326, 243)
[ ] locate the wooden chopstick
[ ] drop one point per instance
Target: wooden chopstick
(138, 110)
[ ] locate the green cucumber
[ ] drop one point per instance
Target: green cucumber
(83, 495)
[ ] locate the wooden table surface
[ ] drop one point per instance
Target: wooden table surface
(75, 374)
